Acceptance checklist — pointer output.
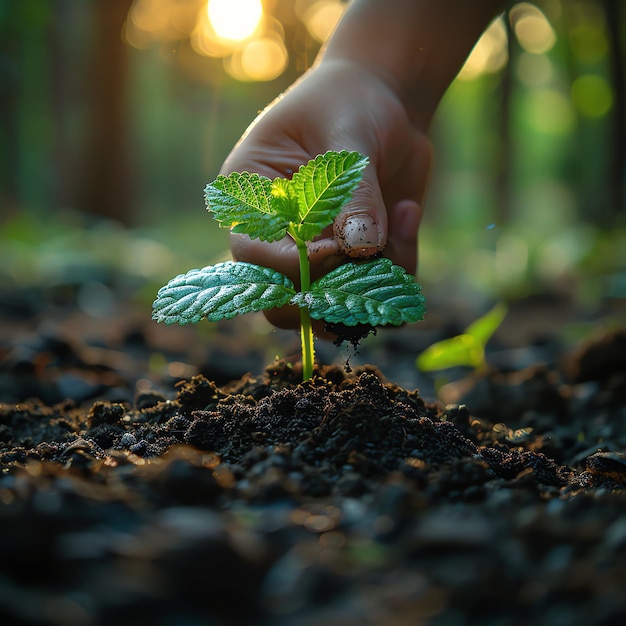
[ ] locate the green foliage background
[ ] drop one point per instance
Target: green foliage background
(525, 196)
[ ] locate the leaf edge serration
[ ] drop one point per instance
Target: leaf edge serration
(333, 298)
(217, 292)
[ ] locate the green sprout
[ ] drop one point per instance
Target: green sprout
(466, 349)
(373, 292)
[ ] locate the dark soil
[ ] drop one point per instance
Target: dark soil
(343, 500)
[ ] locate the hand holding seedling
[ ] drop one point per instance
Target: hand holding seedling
(374, 292)
(374, 88)
(340, 105)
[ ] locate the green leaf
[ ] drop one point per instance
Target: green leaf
(461, 350)
(284, 200)
(375, 292)
(322, 187)
(220, 292)
(467, 349)
(245, 203)
(484, 327)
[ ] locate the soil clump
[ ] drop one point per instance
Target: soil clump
(345, 499)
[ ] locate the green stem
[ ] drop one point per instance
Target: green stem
(306, 328)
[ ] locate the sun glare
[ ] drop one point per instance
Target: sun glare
(235, 20)
(260, 60)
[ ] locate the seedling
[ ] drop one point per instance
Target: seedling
(374, 292)
(466, 349)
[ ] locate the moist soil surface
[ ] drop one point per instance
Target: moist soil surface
(347, 499)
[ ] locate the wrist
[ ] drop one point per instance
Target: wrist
(371, 83)
(416, 47)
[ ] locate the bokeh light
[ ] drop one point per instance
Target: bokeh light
(321, 17)
(261, 60)
(206, 42)
(532, 28)
(589, 42)
(592, 95)
(550, 112)
(147, 16)
(245, 37)
(159, 20)
(534, 70)
(490, 54)
(235, 20)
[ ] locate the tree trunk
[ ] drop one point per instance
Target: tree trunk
(106, 181)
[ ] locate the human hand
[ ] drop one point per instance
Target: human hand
(339, 105)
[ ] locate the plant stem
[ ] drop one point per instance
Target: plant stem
(306, 329)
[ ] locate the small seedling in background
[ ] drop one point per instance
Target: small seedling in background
(373, 292)
(466, 349)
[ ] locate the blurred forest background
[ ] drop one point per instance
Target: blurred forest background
(114, 114)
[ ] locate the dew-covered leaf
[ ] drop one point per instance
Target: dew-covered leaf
(220, 292)
(322, 187)
(375, 292)
(244, 202)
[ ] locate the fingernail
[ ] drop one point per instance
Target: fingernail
(360, 231)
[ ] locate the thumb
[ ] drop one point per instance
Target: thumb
(361, 228)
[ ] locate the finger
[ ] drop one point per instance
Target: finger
(410, 180)
(361, 228)
(404, 193)
(268, 159)
(280, 255)
(404, 221)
